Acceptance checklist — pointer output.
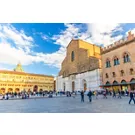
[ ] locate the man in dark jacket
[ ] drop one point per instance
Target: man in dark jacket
(90, 96)
(119, 93)
(131, 97)
(82, 96)
(114, 94)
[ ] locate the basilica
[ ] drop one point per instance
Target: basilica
(81, 68)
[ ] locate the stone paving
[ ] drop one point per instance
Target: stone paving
(67, 105)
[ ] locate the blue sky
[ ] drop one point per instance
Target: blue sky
(41, 47)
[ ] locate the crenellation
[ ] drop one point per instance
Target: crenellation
(119, 42)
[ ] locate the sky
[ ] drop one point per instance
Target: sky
(41, 47)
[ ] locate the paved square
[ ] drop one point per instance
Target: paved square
(67, 105)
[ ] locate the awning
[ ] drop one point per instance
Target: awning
(105, 85)
(118, 84)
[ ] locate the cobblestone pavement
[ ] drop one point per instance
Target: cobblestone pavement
(67, 105)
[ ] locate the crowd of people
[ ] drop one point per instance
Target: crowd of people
(28, 94)
(106, 93)
(90, 94)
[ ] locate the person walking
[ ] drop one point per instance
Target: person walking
(96, 94)
(82, 96)
(114, 94)
(105, 94)
(90, 95)
(119, 94)
(73, 94)
(131, 97)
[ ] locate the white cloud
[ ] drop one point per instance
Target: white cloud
(22, 51)
(53, 59)
(67, 35)
(102, 33)
(44, 37)
(96, 34)
(11, 55)
(19, 38)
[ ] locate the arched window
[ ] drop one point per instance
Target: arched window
(106, 75)
(116, 61)
(122, 72)
(108, 64)
(113, 74)
(126, 58)
(72, 56)
(131, 71)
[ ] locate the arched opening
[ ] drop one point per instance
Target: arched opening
(41, 90)
(35, 89)
(132, 84)
(64, 86)
(73, 86)
(10, 90)
(122, 72)
(72, 56)
(2, 91)
(106, 75)
(116, 61)
(126, 57)
(17, 90)
(107, 85)
(131, 71)
(115, 86)
(124, 85)
(115, 82)
(29, 91)
(84, 85)
(113, 74)
(108, 64)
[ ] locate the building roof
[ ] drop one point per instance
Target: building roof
(82, 41)
(23, 73)
(19, 71)
(130, 38)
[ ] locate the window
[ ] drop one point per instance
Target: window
(122, 72)
(106, 75)
(108, 64)
(72, 56)
(131, 71)
(126, 58)
(116, 61)
(113, 73)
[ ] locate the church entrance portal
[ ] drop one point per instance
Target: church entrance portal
(73, 86)
(84, 85)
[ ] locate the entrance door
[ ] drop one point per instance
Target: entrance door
(85, 86)
(73, 86)
(84, 83)
(64, 87)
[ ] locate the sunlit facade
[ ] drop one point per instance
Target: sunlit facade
(18, 80)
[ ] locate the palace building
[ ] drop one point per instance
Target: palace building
(17, 81)
(81, 68)
(118, 64)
